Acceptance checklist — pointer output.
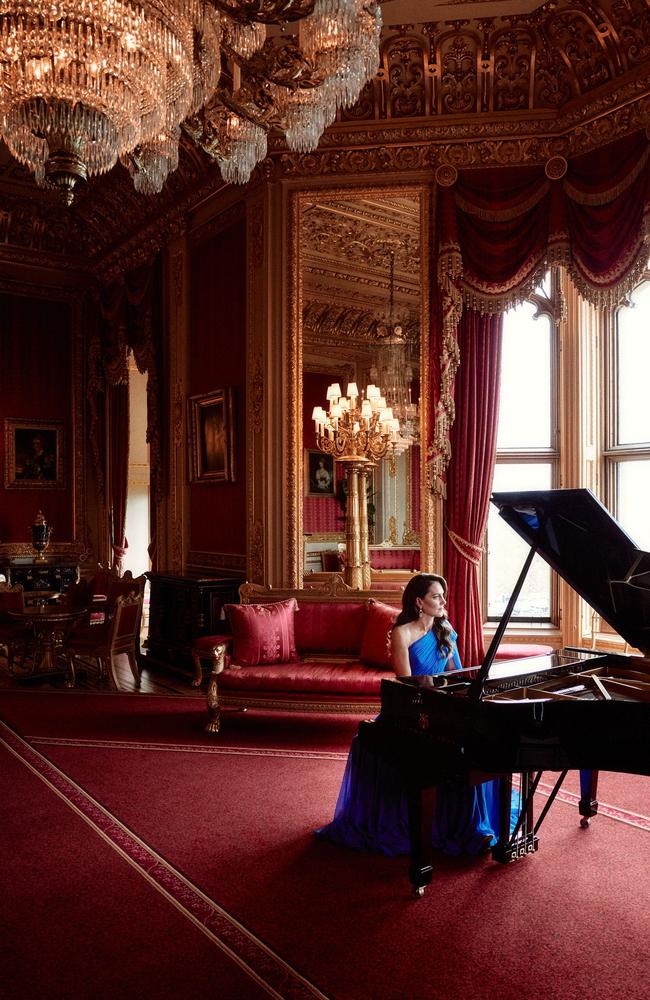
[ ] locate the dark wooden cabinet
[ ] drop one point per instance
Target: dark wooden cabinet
(40, 579)
(182, 608)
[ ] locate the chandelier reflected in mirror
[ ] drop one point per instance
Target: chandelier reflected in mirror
(394, 366)
(84, 83)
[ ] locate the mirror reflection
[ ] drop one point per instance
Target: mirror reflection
(360, 281)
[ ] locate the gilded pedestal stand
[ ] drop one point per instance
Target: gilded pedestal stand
(357, 563)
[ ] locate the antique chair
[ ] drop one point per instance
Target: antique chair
(118, 633)
(13, 633)
(106, 586)
(78, 596)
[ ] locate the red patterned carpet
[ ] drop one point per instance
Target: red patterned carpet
(152, 860)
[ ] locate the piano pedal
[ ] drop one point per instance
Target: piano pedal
(513, 851)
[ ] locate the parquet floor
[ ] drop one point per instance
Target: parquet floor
(152, 681)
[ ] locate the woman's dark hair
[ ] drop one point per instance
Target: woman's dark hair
(417, 587)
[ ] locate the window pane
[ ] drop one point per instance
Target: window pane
(633, 346)
(633, 492)
(525, 402)
(507, 552)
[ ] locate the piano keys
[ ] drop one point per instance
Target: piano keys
(574, 709)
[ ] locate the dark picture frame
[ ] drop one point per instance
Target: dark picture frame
(212, 445)
(320, 479)
(34, 454)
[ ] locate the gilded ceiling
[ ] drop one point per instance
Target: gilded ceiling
(460, 83)
(346, 245)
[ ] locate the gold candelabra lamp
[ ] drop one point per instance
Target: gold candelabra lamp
(357, 431)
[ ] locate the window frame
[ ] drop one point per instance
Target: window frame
(552, 306)
(614, 454)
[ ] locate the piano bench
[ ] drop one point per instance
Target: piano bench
(515, 650)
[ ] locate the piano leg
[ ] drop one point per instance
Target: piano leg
(588, 805)
(523, 840)
(422, 809)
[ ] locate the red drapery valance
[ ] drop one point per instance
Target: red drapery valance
(499, 229)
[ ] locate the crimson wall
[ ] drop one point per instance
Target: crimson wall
(217, 359)
(36, 384)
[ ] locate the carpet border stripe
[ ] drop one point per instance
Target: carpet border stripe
(637, 820)
(187, 748)
(255, 958)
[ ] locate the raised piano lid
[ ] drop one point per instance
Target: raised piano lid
(580, 539)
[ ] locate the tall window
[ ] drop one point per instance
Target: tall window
(527, 456)
(627, 455)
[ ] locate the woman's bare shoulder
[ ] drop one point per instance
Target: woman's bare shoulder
(403, 635)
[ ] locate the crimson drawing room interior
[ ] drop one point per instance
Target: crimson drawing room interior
(324, 337)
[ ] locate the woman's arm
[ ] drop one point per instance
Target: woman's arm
(399, 645)
(453, 662)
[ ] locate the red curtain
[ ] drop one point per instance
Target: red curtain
(118, 423)
(499, 229)
(128, 309)
(469, 476)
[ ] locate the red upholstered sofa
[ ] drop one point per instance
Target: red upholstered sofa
(323, 649)
(335, 663)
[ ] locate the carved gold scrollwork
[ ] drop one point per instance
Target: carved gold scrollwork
(513, 50)
(457, 55)
(403, 60)
(446, 175)
(256, 553)
(555, 167)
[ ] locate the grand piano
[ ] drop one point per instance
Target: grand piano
(574, 709)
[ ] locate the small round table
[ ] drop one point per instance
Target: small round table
(50, 624)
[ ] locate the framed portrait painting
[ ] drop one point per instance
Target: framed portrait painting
(33, 454)
(319, 474)
(212, 452)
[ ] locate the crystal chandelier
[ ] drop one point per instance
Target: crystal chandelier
(392, 368)
(84, 83)
(355, 429)
(358, 432)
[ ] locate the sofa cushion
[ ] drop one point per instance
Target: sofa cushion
(375, 642)
(329, 627)
(262, 633)
(306, 678)
(516, 650)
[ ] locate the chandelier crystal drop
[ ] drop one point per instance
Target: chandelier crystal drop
(393, 367)
(84, 83)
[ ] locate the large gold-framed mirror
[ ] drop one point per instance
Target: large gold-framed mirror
(359, 310)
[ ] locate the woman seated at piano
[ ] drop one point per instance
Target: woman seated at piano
(371, 812)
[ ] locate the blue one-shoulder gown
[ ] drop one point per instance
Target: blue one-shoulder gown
(371, 812)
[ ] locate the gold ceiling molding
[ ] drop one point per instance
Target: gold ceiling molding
(503, 90)
(364, 242)
(364, 294)
(539, 61)
(322, 322)
(327, 324)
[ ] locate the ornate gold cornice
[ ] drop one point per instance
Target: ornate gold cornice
(516, 89)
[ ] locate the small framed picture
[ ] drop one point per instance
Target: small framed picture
(33, 454)
(212, 451)
(319, 474)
